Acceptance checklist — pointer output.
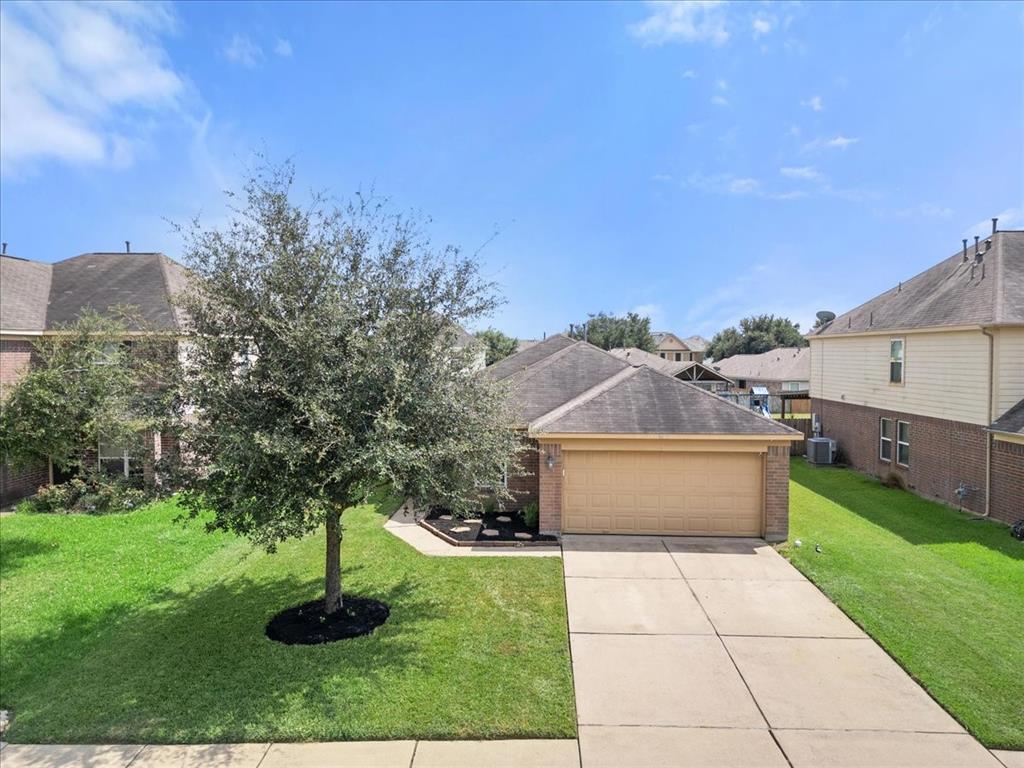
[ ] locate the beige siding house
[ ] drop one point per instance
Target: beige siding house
(913, 382)
(670, 347)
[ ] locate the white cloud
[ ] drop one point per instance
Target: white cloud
(722, 84)
(690, 74)
(744, 186)
(804, 172)
(762, 24)
(661, 177)
(76, 79)
(283, 48)
(813, 103)
(655, 312)
(683, 21)
(719, 101)
(837, 142)
(242, 50)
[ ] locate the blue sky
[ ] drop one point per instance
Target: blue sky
(695, 161)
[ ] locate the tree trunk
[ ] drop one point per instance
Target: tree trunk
(332, 578)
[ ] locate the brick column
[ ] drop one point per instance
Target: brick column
(550, 488)
(777, 493)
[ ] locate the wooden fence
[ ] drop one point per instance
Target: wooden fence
(799, 447)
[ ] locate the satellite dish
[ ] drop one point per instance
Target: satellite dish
(825, 316)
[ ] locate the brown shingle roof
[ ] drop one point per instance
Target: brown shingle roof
(644, 401)
(1011, 422)
(951, 293)
(635, 356)
(530, 356)
(42, 296)
(782, 364)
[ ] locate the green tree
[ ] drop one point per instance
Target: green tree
(612, 332)
(324, 366)
(93, 380)
(756, 334)
(499, 346)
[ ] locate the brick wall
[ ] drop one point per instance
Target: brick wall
(16, 484)
(525, 486)
(943, 454)
(776, 500)
(550, 488)
(15, 356)
(1007, 481)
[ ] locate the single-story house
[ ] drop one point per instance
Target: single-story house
(612, 447)
(702, 375)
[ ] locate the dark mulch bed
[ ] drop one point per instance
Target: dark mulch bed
(470, 531)
(307, 624)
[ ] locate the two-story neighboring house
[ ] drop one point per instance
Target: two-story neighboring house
(924, 380)
(670, 347)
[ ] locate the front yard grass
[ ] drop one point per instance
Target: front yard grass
(941, 592)
(134, 628)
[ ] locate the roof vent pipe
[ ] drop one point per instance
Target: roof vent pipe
(127, 246)
(995, 223)
(965, 249)
(988, 244)
(3, 248)
(976, 239)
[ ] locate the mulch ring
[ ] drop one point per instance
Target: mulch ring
(495, 529)
(307, 624)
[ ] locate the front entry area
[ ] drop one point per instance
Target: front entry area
(663, 492)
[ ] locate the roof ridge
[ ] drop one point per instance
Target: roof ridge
(586, 396)
(515, 371)
(544, 362)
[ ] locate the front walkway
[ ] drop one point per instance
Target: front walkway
(718, 652)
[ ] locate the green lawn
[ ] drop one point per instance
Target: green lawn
(134, 628)
(942, 593)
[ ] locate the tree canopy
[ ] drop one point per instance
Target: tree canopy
(499, 346)
(756, 334)
(323, 365)
(91, 381)
(612, 332)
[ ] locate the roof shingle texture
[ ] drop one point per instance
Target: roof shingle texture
(949, 294)
(782, 364)
(24, 293)
(529, 356)
(654, 403)
(1012, 421)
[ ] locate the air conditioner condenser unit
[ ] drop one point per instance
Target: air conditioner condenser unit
(821, 450)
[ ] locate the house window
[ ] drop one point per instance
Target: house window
(885, 439)
(679, 356)
(741, 383)
(895, 361)
(662, 354)
(903, 443)
(114, 458)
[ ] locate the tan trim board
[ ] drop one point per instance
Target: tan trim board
(551, 437)
(905, 331)
(1008, 437)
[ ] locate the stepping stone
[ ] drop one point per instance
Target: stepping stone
(524, 535)
(489, 532)
(473, 521)
(444, 517)
(461, 529)
(503, 519)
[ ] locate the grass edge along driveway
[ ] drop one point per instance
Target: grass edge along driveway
(135, 628)
(942, 592)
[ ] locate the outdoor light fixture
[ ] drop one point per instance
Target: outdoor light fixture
(551, 461)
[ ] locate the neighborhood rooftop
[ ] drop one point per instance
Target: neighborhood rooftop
(971, 287)
(1011, 422)
(37, 297)
(635, 356)
(782, 364)
(561, 385)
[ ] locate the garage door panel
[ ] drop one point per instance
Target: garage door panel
(663, 492)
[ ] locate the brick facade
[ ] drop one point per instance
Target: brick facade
(550, 487)
(943, 455)
(15, 358)
(16, 484)
(525, 486)
(776, 493)
(1007, 481)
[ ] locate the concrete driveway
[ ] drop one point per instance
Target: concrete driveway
(717, 652)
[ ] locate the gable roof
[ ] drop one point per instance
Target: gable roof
(1011, 422)
(954, 292)
(40, 297)
(644, 401)
(679, 368)
(782, 364)
(533, 354)
(696, 343)
(662, 336)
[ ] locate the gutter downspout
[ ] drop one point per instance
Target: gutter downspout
(988, 435)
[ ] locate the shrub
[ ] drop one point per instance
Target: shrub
(490, 505)
(531, 515)
(93, 494)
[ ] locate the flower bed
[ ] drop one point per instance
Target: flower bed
(491, 529)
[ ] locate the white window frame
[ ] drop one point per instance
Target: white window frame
(901, 360)
(902, 443)
(124, 456)
(882, 439)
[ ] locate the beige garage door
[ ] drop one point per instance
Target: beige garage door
(713, 494)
